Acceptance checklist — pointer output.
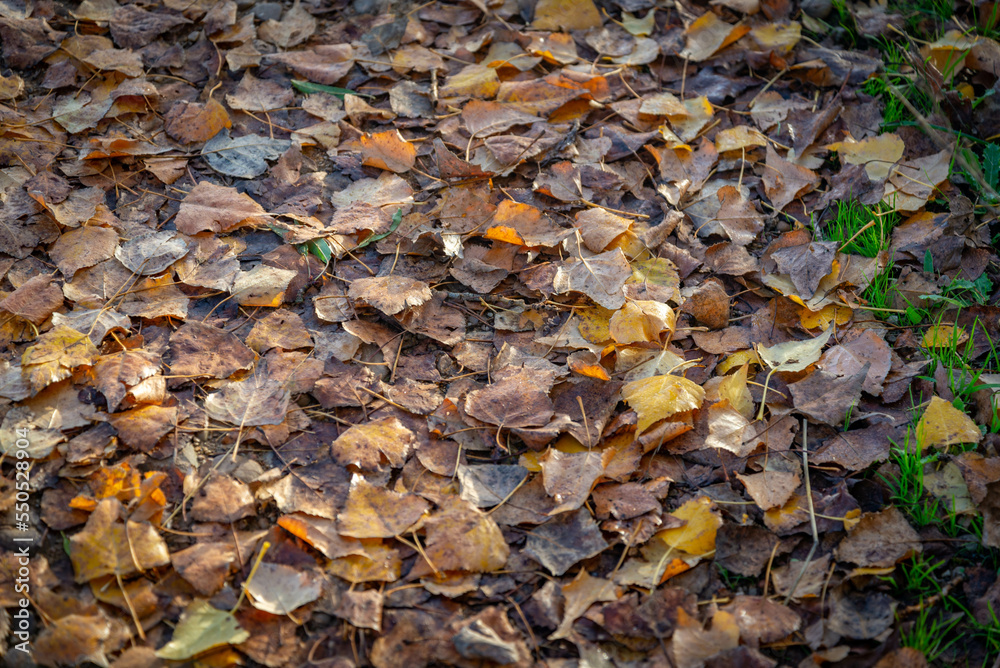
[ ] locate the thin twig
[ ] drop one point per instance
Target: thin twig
(812, 511)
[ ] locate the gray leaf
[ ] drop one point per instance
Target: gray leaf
(243, 157)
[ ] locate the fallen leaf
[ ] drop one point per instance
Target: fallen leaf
(192, 122)
(390, 294)
(660, 397)
(462, 538)
(565, 540)
(942, 425)
(566, 15)
(877, 154)
(709, 34)
(256, 401)
(243, 157)
(580, 594)
(279, 589)
(202, 628)
(697, 536)
(374, 512)
(213, 208)
(880, 539)
(569, 477)
(512, 402)
(692, 645)
(388, 150)
(55, 355)
(109, 546)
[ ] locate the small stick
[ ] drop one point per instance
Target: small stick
(812, 511)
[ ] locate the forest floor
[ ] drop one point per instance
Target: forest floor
(505, 332)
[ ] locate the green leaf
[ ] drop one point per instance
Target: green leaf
(321, 249)
(308, 87)
(991, 165)
(915, 316)
(928, 261)
(202, 628)
(397, 218)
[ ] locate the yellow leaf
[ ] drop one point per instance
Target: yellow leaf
(877, 154)
(660, 397)
(739, 358)
(640, 27)
(699, 113)
(54, 356)
(944, 336)
(471, 81)
(697, 536)
(658, 277)
(949, 53)
(594, 324)
(823, 317)
(734, 389)
(708, 34)
(794, 355)
(740, 137)
(780, 37)
(566, 15)
(641, 321)
(942, 425)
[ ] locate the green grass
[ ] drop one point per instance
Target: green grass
(861, 229)
(924, 18)
(866, 231)
(930, 634)
(880, 291)
(907, 489)
(895, 113)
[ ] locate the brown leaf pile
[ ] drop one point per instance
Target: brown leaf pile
(500, 357)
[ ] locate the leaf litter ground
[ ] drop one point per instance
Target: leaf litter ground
(540, 333)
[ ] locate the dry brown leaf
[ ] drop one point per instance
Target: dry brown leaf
(461, 538)
(580, 594)
(34, 300)
(213, 208)
(364, 445)
(390, 294)
(515, 401)
(191, 122)
(569, 477)
(693, 645)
